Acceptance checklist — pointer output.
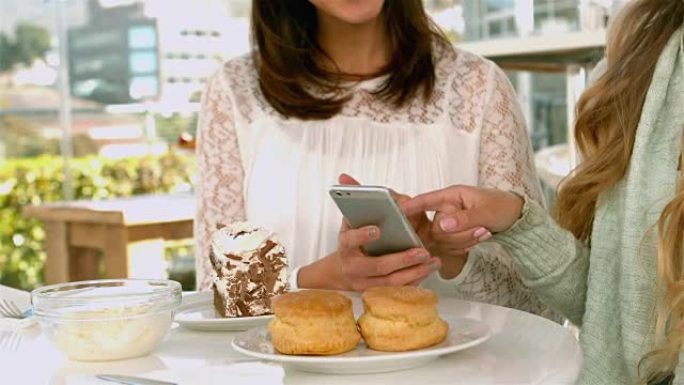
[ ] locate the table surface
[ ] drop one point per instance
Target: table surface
(524, 349)
(137, 210)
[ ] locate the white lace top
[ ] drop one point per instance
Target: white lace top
(275, 172)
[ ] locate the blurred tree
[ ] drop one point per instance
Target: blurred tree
(239, 8)
(196, 97)
(7, 56)
(84, 145)
(30, 42)
(170, 129)
(23, 139)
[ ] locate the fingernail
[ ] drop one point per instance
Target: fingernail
(422, 257)
(448, 224)
(434, 266)
(372, 233)
(485, 237)
(480, 232)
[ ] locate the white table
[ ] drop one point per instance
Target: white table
(524, 349)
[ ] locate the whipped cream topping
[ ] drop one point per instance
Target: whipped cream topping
(237, 239)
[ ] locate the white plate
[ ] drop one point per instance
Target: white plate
(197, 312)
(464, 333)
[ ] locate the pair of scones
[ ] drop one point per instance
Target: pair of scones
(317, 322)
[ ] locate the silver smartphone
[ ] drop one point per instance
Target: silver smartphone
(374, 205)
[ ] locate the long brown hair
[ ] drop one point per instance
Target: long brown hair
(288, 56)
(608, 114)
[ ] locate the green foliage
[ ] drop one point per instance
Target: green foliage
(171, 128)
(6, 53)
(239, 8)
(23, 139)
(35, 181)
(30, 43)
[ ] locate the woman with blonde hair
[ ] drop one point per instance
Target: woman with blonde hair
(614, 261)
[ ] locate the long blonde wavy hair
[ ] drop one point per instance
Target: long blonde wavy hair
(607, 117)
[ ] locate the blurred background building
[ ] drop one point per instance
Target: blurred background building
(114, 57)
(152, 50)
(95, 94)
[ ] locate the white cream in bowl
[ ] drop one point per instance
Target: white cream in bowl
(118, 319)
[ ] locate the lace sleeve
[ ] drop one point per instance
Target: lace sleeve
(506, 157)
(220, 180)
(505, 163)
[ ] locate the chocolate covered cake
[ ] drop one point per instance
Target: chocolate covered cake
(250, 268)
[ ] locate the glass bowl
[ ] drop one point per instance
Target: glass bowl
(105, 320)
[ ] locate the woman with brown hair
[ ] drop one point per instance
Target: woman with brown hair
(614, 261)
(371, 88)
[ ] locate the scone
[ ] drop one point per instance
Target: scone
(313, 322)
(250, 268)
(397, 319)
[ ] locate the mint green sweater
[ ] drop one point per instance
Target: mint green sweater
(608, 287)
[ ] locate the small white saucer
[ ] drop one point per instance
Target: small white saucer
(197, 313)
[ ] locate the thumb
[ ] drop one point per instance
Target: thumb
(347, 179)
(462, 220)
(399, 197)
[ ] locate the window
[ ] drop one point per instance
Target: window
(143, 86)
(143, 62)
(499, 5)
(142, 37)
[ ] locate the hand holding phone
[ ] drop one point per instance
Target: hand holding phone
(350, 266)
(374, 205)
(377, 245)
